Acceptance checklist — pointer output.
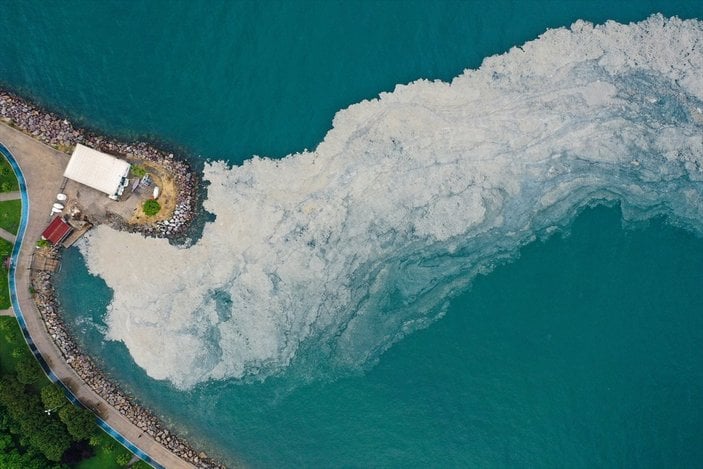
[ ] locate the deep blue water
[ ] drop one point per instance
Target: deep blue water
(585, 351)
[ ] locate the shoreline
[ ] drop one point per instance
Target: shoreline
(51, 130)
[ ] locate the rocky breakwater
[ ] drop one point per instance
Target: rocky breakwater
(85, 368)
(60, 134)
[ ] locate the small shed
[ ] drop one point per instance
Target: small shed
(57, 231)
(98, 170)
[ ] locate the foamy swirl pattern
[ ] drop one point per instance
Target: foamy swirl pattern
(337, 253)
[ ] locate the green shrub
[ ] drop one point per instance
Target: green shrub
(138, 171)
(42, 243)
(123, 458)
(151, 207)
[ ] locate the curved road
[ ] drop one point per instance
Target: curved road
(43, 168)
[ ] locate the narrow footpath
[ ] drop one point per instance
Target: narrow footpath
(10, 196)
(7, 235)
(43, 169)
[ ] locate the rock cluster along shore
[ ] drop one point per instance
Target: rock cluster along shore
(60, 134)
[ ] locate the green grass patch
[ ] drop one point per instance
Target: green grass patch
(12, 345)
(109, 454)
(8, 181)
(10, 213)
(13, 349)
(5, 251)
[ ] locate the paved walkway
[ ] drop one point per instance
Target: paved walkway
(7, 312)
(9, 196)
(43, 170)
(7, 235)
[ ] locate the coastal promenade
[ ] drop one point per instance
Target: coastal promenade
(43, 169)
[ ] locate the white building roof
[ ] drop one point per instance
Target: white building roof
(97, 170)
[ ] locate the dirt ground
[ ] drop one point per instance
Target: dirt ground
(168, 195)
(86, 203)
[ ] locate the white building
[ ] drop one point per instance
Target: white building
(98, 170)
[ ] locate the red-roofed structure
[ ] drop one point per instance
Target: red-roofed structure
(57, 231)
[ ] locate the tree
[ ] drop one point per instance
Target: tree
(37, 429)
(53, 397)
(14, 459)
(6, 442)
(28, 370)
(79, 422)
(53, 441)
(10, 388)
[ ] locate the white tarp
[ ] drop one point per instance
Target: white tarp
(97, 170)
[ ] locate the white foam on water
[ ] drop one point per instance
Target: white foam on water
(346, 249)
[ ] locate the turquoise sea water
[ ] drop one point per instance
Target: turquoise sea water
(585, 351)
